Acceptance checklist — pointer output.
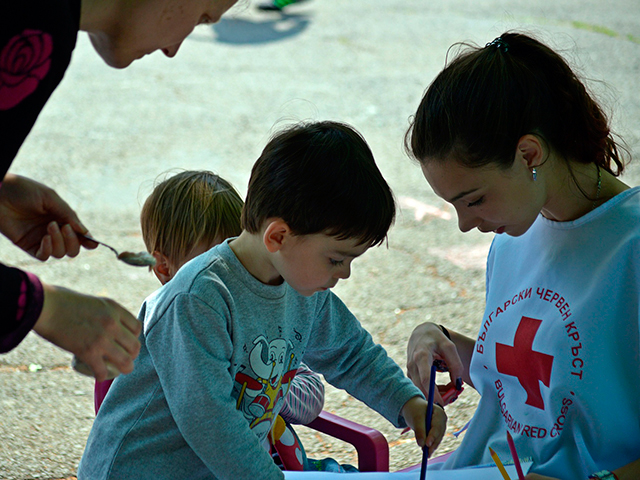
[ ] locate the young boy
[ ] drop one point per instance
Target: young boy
(185, 215)
(222, 341)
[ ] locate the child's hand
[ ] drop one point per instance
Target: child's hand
(415, 412)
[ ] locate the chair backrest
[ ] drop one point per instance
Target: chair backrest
(371, 445)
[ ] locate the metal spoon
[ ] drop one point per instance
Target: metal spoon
(140, 259)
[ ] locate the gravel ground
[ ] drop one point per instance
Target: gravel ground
(107, 134)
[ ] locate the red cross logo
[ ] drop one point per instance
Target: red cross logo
(522, 362)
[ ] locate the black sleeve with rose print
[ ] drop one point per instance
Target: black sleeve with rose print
(36, 41)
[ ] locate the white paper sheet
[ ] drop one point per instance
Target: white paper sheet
(477, 473)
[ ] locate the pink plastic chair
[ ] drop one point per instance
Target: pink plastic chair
(370, 444)
(100, 390)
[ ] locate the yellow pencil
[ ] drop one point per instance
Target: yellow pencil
(496, 459)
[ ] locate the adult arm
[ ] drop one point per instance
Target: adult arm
(428, 343)
(630, 471)
(21, 297)
(96, 330)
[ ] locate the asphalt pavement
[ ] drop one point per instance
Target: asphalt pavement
(107, 134)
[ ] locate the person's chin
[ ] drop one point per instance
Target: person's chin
(511, 231)
(517, 231)
(117, 62)
(311, 293)
(304, 291)
(109, 55)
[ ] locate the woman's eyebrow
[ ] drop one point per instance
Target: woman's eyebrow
(461, 194)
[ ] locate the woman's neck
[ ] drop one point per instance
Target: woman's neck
(578, 189)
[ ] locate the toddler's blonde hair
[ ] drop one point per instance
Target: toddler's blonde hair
(187, 209)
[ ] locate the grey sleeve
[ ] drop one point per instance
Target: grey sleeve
(344, 352)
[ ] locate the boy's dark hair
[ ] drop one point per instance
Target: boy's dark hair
(320, 178)
(487, 98)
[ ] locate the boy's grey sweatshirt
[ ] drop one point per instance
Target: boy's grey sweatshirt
(218, 350)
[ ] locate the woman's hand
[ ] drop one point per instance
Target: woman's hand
(97, 330)
(38, 221)
(426, 344)
(415, 413)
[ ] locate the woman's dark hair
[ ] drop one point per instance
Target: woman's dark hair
(320, 178)
(487, 98)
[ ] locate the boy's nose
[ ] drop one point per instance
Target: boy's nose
(344, 272)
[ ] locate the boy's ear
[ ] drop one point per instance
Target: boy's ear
(530, 151)
(161, 268)
(276, 234)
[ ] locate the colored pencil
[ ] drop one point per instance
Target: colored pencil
(425, 449)
(498, 463)
(514, 454)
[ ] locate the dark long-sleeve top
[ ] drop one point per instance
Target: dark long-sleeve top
(37, 38)
(21, 299)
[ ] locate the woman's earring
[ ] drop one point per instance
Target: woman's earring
(535, 174)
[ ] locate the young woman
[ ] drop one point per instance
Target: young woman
(513, 140)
